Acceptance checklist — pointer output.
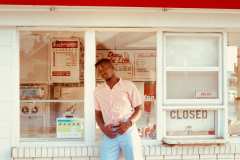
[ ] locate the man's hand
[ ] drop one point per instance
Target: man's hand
(124, 127)
(108, 131)
(132, 120)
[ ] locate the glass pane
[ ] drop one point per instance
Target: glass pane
(52, 120)
(190, 122)
(134, 57)
(192, 85)
(51, 68)
(233, 74)
(51, 65)
(192, 50)
(34, 55)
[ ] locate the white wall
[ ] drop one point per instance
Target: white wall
(9, 69)
(8, 90)
(117, 17)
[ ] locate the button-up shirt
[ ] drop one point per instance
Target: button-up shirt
(117, 104)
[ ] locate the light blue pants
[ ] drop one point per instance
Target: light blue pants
(129, 143)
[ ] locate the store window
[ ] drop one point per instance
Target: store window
(179, 75)
(134, 57)
(51, 84)
(192, 84)
(233, 73)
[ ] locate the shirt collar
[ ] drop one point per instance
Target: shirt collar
(117, 84)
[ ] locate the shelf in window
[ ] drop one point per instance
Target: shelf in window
(191, 102)
(34, 82)
(192, 69)
(52, 101)
(71, 141)
(133, 80)
(197, 106)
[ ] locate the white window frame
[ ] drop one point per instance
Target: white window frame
(218, 105)
(218, 69)
(89, 85)
(89, 73)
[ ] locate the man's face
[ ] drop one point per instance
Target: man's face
(105, 70)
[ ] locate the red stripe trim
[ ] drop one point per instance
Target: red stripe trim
(220, 4)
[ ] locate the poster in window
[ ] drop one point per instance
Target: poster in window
(145, 65)
(65, 60)
(132, 64)
(149, 96)
(70, 127)
(81, 58)
(34, 92)
(122, 61)
(33, 116)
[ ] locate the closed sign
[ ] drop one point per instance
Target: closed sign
(190, 122)
(189, 114)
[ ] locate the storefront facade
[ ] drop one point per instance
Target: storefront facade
(183, 61)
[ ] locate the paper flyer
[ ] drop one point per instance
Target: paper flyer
(65, 59)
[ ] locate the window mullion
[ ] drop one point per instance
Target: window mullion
(89, 86)
(159, 85)
(225, 85)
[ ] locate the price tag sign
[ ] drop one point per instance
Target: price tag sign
(70, 127)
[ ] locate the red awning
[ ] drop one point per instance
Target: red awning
(220, 4)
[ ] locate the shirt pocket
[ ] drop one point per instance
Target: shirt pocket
(123, 98)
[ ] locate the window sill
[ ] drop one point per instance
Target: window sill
(173, 141)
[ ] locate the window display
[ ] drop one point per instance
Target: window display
(51, 84)
(134, 57)
(40, 119)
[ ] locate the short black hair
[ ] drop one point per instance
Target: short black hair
(103, 61)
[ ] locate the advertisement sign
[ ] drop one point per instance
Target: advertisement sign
(33, 116)
(149, 96)
(132, 64)
(70, 127)
(65, 60)
(34, 92)
(190, 122)
(30, 109)
(145, 65)
(61, 92)
(122, 61)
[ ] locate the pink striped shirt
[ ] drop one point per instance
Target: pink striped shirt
(117, 104)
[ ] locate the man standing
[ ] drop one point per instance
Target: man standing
(117, 108)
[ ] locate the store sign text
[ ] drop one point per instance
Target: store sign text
(189, 114)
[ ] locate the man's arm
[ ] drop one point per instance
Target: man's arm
(99, 119)
(107, 130)
(136, 115)
(131, 120)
